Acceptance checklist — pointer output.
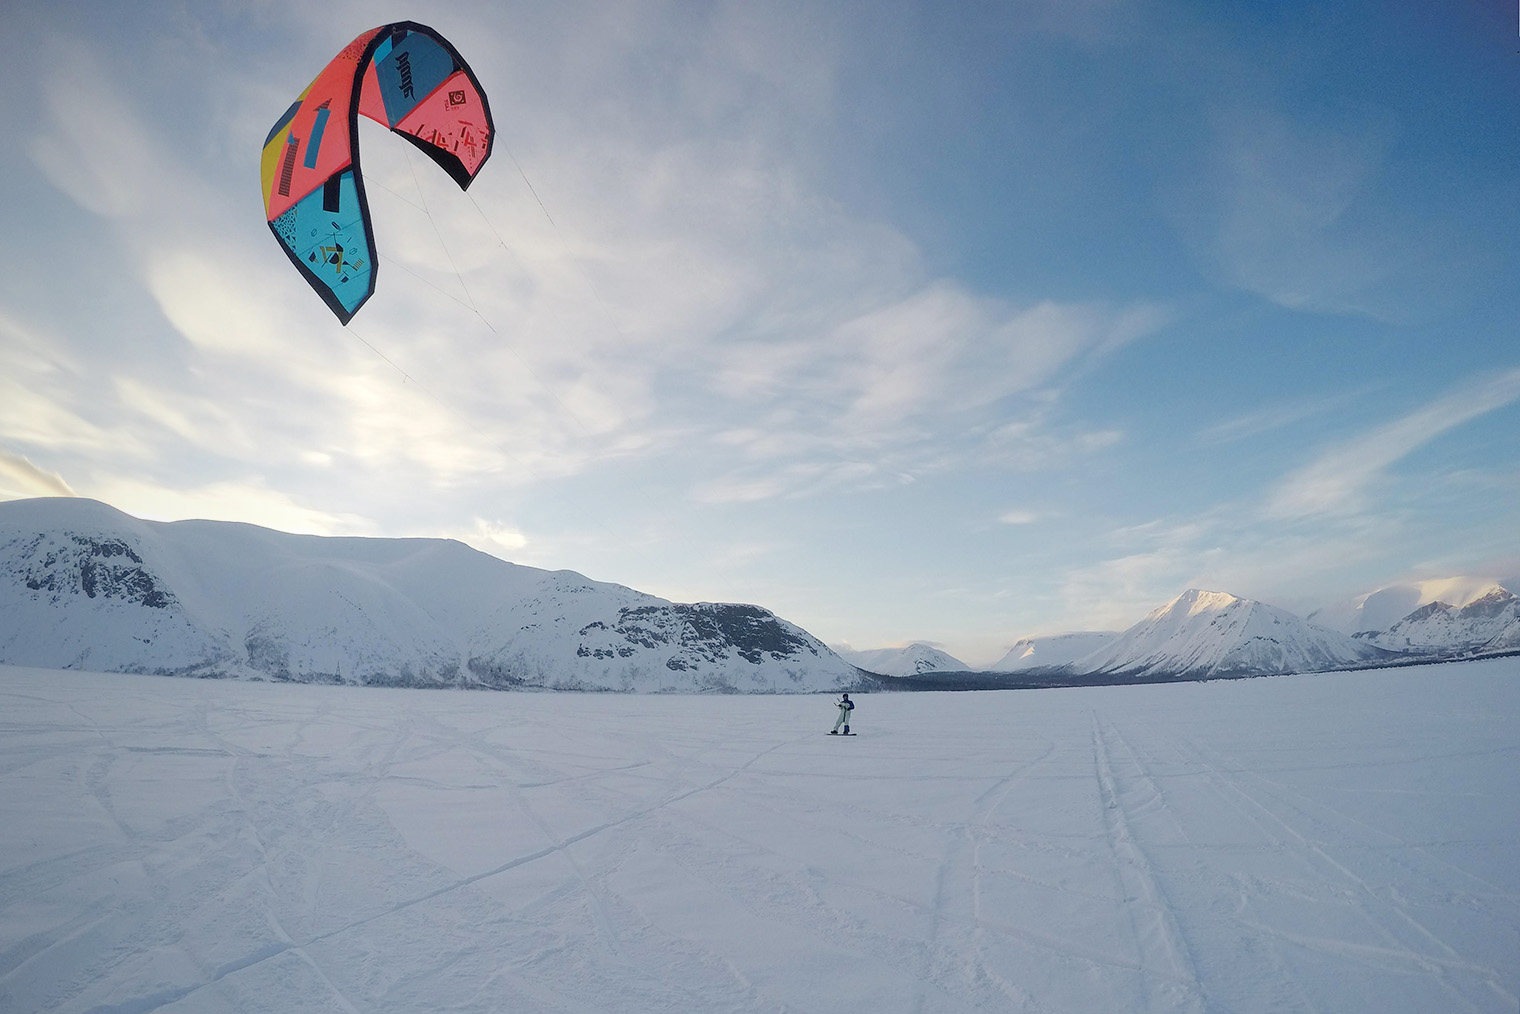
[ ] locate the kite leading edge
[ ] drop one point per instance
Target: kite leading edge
(403, 75)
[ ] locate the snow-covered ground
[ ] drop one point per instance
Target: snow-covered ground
(1335, 843)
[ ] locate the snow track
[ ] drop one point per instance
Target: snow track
(1319, 844)
(1158, 939)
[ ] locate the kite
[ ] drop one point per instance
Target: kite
(403, 75)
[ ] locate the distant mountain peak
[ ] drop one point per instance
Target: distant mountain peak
(1497, 596)
(1203, 633)
(1198, 600)
(914, 659)
(1428, 610)
(1374, 612)
(1053, 650)
(1488, 622)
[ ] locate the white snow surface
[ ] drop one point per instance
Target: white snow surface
(913, 660)
(1056, 649)
(84, 586)
(1342, 842)
(1209, 633)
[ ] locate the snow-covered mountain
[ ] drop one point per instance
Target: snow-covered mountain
(1206, 633)
(1058, 649)
(83, 585)
(1490, 622)
(916, 659)
(1378, 610)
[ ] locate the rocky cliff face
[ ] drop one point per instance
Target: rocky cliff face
(61, 566)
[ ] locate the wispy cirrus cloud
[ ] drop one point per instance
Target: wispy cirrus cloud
(1018, 517)
(20, 478)
(1275, 417)
(691, 289)
(229, 500)
(1341, 479)
(45, 400)
(1320, 524)
(935, 381)
(1274, 209)
(1223, 548)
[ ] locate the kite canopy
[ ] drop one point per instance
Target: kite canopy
(403, 75)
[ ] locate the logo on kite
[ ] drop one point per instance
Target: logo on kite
(403, 75)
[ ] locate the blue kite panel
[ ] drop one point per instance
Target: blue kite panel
(331, 243)
(410, 72)
(318, 128)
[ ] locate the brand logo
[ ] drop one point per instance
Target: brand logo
(404, 65)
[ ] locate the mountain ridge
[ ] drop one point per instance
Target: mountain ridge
(1489, 622)
(85, 585)
(1205, 634)
(914, 659)
(1053, 650)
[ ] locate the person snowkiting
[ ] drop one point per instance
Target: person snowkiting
(845, 707)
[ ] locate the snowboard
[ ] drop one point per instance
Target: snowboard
(841, 734)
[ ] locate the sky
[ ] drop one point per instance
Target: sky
(908, 321)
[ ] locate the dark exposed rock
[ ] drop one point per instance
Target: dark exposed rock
(98, 568)
(695, 633)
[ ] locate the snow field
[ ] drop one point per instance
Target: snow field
(1335, 843)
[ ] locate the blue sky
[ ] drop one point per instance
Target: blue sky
(906, 322)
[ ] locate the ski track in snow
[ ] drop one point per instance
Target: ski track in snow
(1405, 938)
(1158, 939)
(1316, 844)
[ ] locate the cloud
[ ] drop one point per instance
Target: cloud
(1116, 593)
(737, 489)
(694, 283)
(1298, 562)
(197, 420)
(41, 383)
(936, 380)
(1223, 547)
(1274, 417)
(1277, 209)
(20, 478)
(944, 350)
(1340, 480)
(1018, 517)
(1031, 443)
(500, 540)
(94, 149)
(217, 298)
(793, 479)
(265, 372)
(897, 360)
(248, 500)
